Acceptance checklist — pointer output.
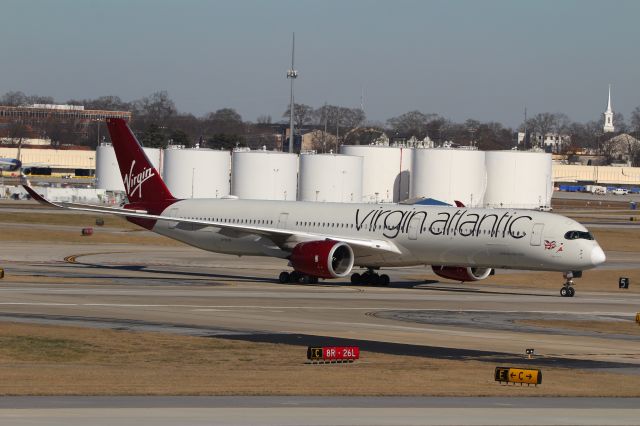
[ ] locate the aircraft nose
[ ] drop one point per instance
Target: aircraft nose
(597, 256)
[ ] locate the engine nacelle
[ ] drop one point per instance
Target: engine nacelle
(324, 259)
(461, 273)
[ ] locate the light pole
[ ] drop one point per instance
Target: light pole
(292, 74)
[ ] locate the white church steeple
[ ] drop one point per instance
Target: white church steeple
(608, 116)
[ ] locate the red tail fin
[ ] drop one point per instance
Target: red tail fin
(142, 182)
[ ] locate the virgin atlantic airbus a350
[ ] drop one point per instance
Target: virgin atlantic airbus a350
(327, 240)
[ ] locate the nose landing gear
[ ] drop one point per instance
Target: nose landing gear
(567, 289)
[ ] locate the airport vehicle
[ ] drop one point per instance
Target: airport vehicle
(620, 191)
(326, 240)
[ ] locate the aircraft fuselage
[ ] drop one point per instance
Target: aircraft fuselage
(424, 235)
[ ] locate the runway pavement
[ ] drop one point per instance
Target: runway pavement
(185, 290)
(71, 411)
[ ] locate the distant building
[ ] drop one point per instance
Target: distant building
(319, 140)
(608, 116)
(33, 117)
(551, 142)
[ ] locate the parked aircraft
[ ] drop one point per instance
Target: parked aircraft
(10, 164)
(327, 240)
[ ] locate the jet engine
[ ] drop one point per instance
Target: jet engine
(461, 273)
(323, 259)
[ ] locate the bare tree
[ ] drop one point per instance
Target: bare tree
(14, 99)
(36, 99)
(352, 118)
(264, 119)
(619, 123)
(413, 123)
(362, 135)
(546, 123)
(155, 108)
(635, 119)
(302, 114)
(107, 103)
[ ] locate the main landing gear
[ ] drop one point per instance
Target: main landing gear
(567, 289)
(296, 277)
(370, 277)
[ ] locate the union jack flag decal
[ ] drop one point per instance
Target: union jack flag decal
(549, 245)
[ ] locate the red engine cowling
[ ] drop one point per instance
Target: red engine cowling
(461, 273)
(324, 259)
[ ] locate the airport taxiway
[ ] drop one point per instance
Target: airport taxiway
(185, 290)
(159, 411)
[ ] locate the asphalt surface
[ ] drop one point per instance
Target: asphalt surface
(317, 411)
(188, 291)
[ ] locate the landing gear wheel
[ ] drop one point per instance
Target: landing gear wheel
(356, 278)
(567, 290)
(308, 279)
(284, 277)
(384, 280)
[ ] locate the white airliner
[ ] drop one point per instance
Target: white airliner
(327, 240)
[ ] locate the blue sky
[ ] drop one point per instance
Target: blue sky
(463, 59)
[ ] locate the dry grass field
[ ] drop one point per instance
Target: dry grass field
(44, 217)
(54, 360)
(14, 227)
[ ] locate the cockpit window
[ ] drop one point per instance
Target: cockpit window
(578, 235)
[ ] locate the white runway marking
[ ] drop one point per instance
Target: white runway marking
(205, 308)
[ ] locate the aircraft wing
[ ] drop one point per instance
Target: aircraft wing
(286, 239)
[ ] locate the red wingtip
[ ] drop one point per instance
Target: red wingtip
(459, 203)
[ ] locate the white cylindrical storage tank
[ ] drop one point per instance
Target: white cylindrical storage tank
(330, 178)
(107, 170)
(197, 173)
(386, 172)
(264, 175)
(155, 156)
(449, 175)
(518, 179)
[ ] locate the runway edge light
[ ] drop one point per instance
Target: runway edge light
(518, 375)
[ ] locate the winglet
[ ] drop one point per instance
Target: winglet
(39, 198)
(459, 203)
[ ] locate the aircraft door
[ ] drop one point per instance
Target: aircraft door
(282, 220)
(536, 234)
(414, 227)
